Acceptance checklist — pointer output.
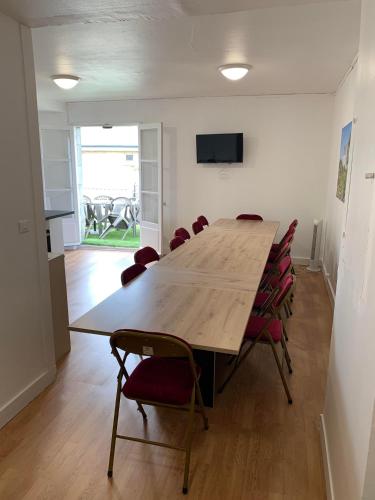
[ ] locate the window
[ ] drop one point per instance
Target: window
(129, 157)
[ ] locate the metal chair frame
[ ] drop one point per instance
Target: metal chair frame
(266, 338)
(139, 342)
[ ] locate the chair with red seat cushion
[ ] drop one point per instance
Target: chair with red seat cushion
(291, 230)
(146, 255)
(131, 272)
(249, 217)
(169, 378)
(197, 227)
(268, 329)
(203, 220)
(182, 233)
(176, 242)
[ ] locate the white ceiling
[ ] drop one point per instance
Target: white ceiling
(36, 13)
(173, 48)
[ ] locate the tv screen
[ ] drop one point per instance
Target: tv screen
(219, 148)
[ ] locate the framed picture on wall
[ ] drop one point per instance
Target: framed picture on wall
(346, 135)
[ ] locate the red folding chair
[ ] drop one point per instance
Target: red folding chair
(176, 242)
(182, 233)
(197, 227)
(249, 217)
(131, 272)
(146, 255)
(266, 328)
(168, 378)
(202, 219)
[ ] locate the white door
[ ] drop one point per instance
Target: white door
(150, 185)
(59, 179)
(79, 182)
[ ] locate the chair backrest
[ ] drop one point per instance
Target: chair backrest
(103, 197)
(119, 205)
(131, 272)
(283, 268)
(86, 199)
(249, 217)
(291, 230)
(151, 344)
(145, 256)
(197, 227)
(182, 233)
(202, 219)
(294, 223)
(284, 289)
(176, 242)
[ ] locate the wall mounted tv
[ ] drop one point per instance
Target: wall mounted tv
(219, 148)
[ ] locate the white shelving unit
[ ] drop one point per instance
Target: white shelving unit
(59, 179)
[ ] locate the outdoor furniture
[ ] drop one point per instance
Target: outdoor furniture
(119, 216)
(90, 217)
(102, 206)
(132, 217)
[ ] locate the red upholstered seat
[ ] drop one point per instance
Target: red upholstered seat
(257, 323)
(162, 380)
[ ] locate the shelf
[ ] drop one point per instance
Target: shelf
(62, 190)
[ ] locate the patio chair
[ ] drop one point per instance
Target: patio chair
(89, 214)
(102, 207)
(117, 218)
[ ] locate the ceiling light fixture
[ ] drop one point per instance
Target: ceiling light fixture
(234, 71)
(65, 81)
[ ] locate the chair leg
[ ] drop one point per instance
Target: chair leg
(239, 360)
(287, 357)
(289, 308)
(189, 439)
(290, 400)
(114, 428)
(201, 407)
(286, 310)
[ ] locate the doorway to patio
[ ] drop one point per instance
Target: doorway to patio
(108, 185)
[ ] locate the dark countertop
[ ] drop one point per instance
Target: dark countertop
(54, 214)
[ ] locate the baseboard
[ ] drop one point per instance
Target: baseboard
(23, 398)
(301, 261)
(330, 290)
(326, 461)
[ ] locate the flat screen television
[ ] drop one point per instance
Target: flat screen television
(219, 148)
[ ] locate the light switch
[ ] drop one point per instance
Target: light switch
(23, 226)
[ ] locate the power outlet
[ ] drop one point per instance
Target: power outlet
(23, 226)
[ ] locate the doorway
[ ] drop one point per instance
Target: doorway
(108, 186)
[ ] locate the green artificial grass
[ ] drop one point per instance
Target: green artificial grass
(114, 239)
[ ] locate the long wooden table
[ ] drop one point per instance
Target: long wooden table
(202, 292)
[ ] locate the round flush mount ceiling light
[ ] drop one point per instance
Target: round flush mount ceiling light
(234, 71)
(65, 81)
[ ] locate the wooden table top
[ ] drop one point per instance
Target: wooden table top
(202, 292)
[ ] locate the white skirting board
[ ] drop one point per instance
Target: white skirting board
(330, 290)
(326, 460)
(23, 398)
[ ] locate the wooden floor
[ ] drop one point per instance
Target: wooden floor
(257, 448)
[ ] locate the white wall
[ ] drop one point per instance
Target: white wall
(26, 342)
(343, 113)
(286, 153)
(349, 406)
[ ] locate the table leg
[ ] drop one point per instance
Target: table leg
(206, 360)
